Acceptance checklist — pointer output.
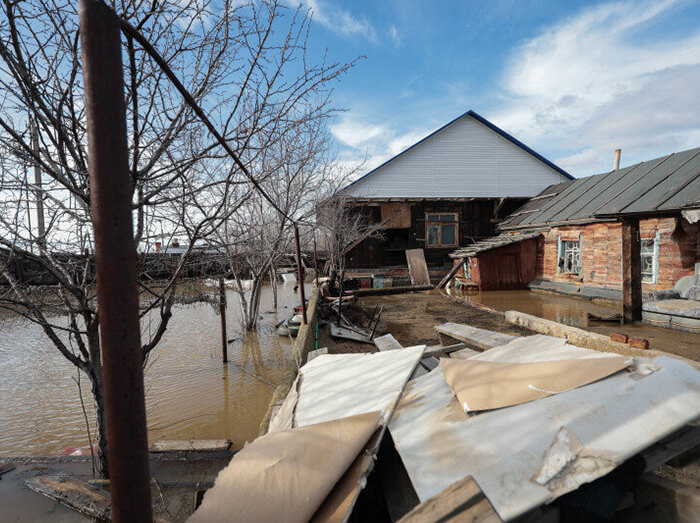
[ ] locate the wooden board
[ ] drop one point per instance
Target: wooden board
(480, 338)
(417, 269)
(396, 215)
(450, 274)
(188, 445)
(430, 363)
(662, 499)
(387, 342)
(338, 331)
(318, 352)
(73, 493)
(464, 354)
(439, 350)
(462, 501)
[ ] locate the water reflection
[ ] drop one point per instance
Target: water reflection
(189, 392)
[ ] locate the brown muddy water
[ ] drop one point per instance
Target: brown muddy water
(189, 391)
(573, 311)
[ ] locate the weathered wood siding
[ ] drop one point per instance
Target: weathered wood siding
(601, 247)
(464, 159)
(475, 221)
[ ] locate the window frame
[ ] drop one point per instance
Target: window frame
(654, 258)
(440, 223)
(561, 255)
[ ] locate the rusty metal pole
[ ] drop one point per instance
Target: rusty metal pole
(300, 275)
(222, 313)
(315, 261)
(115, 258)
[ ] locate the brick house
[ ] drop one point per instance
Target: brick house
(569, 237)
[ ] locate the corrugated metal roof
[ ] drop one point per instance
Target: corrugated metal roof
(493, 243)
(666, 184)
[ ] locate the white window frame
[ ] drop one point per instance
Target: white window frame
(654, 259)
(561, 254)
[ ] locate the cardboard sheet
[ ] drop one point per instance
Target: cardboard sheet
(487, 385)
(286, 475)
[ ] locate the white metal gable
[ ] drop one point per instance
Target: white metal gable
(465, 159)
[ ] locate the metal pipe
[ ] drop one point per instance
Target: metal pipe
(115, 258)
(618, 152)
(222, 313)
(300, 275)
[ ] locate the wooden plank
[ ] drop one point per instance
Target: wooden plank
(419, 371)
(73, 493)
(382, 291)
(462, 501)
(430, 363)
(188, 445)
(464, 353)
(417, 268)
(450, 274)
(439, 350)
(396, 215)
(345, 333)
(387, 342)
(318, 352)
(480, 338)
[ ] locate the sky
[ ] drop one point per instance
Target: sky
(573, 80)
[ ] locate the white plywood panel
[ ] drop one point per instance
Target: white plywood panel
(464, 159)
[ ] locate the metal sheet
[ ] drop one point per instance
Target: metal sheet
(503, 450)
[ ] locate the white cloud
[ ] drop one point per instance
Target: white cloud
(354, 132)
(338, 19)
(590, 85)
(395, 36)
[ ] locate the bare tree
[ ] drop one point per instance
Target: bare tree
(246, 65)
(341, 226)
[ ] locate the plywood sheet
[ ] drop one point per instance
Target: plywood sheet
(503, 450)
(396, 215)
(417, 268)
(486, 385)
(286, 474)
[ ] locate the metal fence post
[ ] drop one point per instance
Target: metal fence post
(115, 258)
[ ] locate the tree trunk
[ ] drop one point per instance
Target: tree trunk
(95, 375)
(273, 284)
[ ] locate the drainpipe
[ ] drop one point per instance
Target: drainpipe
(617, 159)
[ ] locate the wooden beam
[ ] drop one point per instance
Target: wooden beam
(189, 445)
(387, 342)
(479, 338)
(73, 493)
(631, 271)
(439, 350)
(455, 268)
(461, 501)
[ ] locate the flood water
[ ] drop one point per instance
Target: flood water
(573, 311)
(190, 393)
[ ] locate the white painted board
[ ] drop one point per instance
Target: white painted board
(335, 386)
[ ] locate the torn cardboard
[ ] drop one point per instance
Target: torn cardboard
(487, 385)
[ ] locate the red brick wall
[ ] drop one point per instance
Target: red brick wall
(601, 247)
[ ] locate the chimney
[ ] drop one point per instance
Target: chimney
(617, 159)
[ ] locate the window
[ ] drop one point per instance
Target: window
(570, 256)
(441, 230)
(648, 255)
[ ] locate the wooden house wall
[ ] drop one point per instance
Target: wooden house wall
(601, 248)
(475, 222)
(509, 267)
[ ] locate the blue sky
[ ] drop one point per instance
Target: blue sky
(573, 80)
